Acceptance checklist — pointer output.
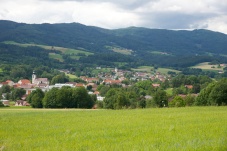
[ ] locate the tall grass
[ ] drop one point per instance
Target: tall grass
(196, 128)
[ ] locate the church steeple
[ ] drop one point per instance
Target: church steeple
(33, 77)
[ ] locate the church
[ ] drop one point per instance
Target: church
(39, 81)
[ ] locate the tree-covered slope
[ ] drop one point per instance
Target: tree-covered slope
(74, 35)
(147, 46)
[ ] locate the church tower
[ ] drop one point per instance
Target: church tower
(116, 70)
(33, 77)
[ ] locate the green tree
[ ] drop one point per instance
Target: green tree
(177, 102)
(17, 94)
(81, 98)
(64, 97)
(35, 98)
(160, 98)
(1, 104)
(218, 95)
(50, 99)
(116, 99)
(59, 79)
(202, 99)
(109, 100)
(5, 89)
(189, 100)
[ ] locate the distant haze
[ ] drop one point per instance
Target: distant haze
(112, 14)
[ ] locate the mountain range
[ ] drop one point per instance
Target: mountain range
(146, 46)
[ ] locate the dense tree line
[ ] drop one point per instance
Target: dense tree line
(13, 94)
(214, 94)
(66, 97)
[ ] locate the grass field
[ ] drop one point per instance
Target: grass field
(56, 56)
(169, 91)
(151, 69)
(74, 53)
(160, 53)
(206, 66)
(71, 76)
(170, 129)
(97, 71)
(1, 70)
(120, 50)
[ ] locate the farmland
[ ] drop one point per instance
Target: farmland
(74, 53)
(207, 66)
(151, 69)
(195, 128)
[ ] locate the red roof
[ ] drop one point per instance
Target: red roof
(4, 83)
(96, 92)
(156, 85)
(79, 85)
(24, 81)
(189, 86)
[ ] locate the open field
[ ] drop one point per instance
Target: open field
(120, 50)
(97, 71)
(169, 91)
(151, 69)
(71, 76)
(56, 56)
(166, 70)
(195, 128)
(160, 53)
(74, 53)
(206, 66)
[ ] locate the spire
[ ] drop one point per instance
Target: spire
(33, 77)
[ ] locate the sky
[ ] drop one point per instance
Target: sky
(114, 14)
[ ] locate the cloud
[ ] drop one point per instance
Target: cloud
(174, 14)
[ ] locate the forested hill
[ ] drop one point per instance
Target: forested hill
(139, 40)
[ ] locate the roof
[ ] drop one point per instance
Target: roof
(24, 81)
(156, 85)
(79, 85)
(189, 86)
(4, 83)
(26, 86)
(42, 79)
(96, 92)
(8, 81)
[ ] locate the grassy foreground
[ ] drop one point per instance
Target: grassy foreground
(196, 128)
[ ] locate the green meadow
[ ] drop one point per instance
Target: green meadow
(206, 66)
(74, 53)
(171, 129)
(120, 50)
(151, 69)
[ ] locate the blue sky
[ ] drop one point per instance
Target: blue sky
(112, 14)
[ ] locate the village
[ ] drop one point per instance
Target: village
(116, 77)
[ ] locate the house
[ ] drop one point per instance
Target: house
(10, 83)
(21, 103)
(156, 85)
(99, 98)
(24, 82)
(96, 93)
(6, 102)
(188, 86)
(4, 83)
(73, 83)
(109, 81)
(80, 85)
(89, 80)
(41, 81)
(148, 97)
